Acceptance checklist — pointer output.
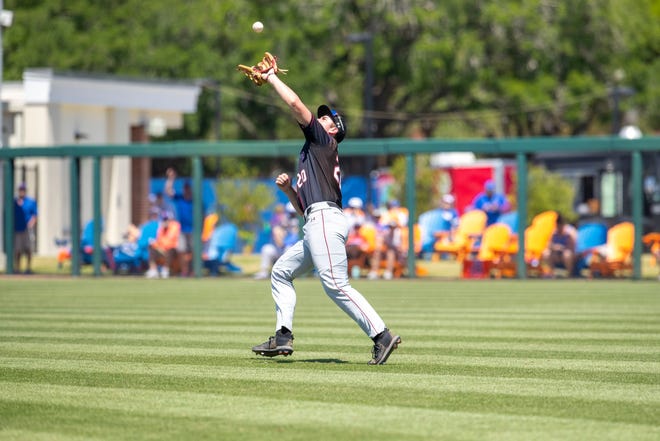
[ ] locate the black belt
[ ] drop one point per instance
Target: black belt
(319, 206)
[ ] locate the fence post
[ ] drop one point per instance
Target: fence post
(410, 202)
(9, 214)
(74, 186)
(197, 216)
(637, 212)
(522, 214)
(98, 219)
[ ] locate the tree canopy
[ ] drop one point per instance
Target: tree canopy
(456, 68)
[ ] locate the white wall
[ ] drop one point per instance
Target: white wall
(50, 108)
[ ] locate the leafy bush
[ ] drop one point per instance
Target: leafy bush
(241, 202)
(549, 191)
(426, 192)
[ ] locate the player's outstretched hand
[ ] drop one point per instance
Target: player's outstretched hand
(259, 73)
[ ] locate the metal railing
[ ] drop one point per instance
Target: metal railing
(520, 147)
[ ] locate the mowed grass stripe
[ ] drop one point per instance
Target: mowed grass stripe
(431, 358)
(229, 319)
(304, 377)
(412, 330)
(434, 310)
(569, 349)
(355, 361)
(405, 422)
(608, 319)
(247, 338)
(36, 435)
(456, 401)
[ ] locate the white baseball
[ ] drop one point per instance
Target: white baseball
(257, 26)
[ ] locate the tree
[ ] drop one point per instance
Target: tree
(455, 68)
(549, 191)
(426, 191)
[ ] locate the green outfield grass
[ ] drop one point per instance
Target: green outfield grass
(134, 359)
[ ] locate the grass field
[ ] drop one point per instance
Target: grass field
(134, 359)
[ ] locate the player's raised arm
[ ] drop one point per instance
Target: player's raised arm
(302, 114)
(266, 72)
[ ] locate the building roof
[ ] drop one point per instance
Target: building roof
(42, 86)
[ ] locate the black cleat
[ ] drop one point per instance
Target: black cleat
(279, 344)
(384, 344)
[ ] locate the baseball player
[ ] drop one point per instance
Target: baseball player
(317, 197)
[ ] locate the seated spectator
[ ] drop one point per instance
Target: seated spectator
(491, 202)
(560, 252)
(354, 212)
(394, 214)
(284, 233)
(183, 202)
(388, 240)
(125, 255)
(441, 219)
(358, 248)
(388, 245)
(162, 249)
(132, 254)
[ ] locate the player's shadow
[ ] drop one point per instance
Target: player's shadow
(316, 360)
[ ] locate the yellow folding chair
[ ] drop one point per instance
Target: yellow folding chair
(471, 226)
(614, 259)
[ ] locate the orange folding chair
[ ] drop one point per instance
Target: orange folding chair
(495, 237)
(208, 226)
(471, 226)
(537, 237)
(652, 241)
(614, 259)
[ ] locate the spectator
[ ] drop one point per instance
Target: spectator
(158, 203)
(284, 233)
(388, 240)
(441, 219)
(354, 212)
(25, 219)
(491, 202)
(388, 245)
(560, 252)
(183, 203)
(163, 248)
(357, 248)
(395, 214)
(126, 254)
(361, 242)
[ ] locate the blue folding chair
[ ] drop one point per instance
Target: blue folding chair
(431, 222)
(510, 219)
(220, 247)
(133, 258)
(589, 236)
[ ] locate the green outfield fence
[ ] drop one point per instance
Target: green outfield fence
(521, 147)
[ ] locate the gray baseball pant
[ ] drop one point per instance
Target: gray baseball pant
(323, 247)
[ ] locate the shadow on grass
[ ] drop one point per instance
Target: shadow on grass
(315, 360)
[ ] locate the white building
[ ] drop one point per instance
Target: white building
(50, 108)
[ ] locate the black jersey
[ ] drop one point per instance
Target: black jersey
(318, 177)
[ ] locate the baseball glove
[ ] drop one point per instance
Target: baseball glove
(267, 64)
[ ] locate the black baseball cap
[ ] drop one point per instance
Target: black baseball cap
(324, 110)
